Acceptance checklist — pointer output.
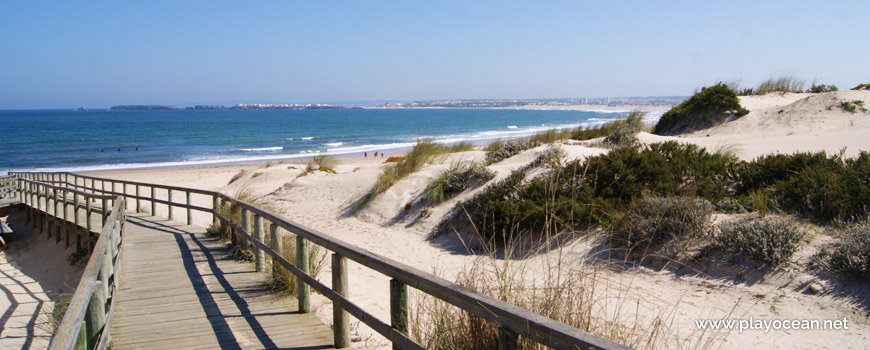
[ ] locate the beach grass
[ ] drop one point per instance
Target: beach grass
(455, 179)
(629, 125)
(499, 150)
(781, 84)
(237, 176)
(284, 281)
(425, 151)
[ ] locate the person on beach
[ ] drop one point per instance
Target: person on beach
(365, 154)
(376, 153)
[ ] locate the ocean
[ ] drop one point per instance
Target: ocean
(95, 140)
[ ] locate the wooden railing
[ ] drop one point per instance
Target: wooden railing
(512, 321)
(7, 186)
(88, 317)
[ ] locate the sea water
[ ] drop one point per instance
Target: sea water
(66, 140)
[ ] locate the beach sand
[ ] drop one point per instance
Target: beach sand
(777, 124)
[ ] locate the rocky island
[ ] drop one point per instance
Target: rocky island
(142, 108)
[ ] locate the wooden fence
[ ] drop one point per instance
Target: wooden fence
(88, 317)
(512, 321)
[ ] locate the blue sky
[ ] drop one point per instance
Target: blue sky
(63, 54)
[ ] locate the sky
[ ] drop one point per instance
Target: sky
(66, 54)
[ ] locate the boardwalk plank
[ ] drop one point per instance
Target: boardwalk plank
(180, 288)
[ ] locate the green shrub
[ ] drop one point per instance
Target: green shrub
(862, 87)
(770, 241)
(590, 192)
(256, 174)
(812, 184)
(853, 106)
(745, 92)
(782, 84)
(707, 108)
(822, 88)
(498, 150)
(850, 254)
(651, 222)
(454, 180)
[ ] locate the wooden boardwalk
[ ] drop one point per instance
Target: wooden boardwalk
(180, 288)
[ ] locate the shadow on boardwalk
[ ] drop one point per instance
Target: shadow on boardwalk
(182, 288)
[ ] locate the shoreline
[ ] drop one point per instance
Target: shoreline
(476, 139)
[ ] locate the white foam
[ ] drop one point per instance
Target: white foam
(308, 138)
(512, 126)
(261, 149)
(333, 144)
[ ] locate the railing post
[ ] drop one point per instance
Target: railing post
(58, 223)
(88, 212)
(138, 203)
(398, 307)
(124, 187)
(340, 322)
(275, 242)
(302, 262)
(105, 213)
(169, 195)
(245, 226)
(189, 211)
(259, 254)
(214, 212)
(153, 203)
(507, 340)
(95, 317)
(76, 219)
(65, 224)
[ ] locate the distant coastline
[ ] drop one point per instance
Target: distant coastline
(605, 103)
(142, 108)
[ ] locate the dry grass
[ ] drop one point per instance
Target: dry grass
(284, 281)
(233, 213)
(237, 176)
(393, 159)
(424, 151)
(578, 295)
(551, 136)
(782, 84)
(463, 146)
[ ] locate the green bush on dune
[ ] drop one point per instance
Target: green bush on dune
(709, 107)
(850, 254)
(770, 241)
(650, 222)
(592, 191)
(815, 185)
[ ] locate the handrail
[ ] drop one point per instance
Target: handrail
(88, 317)
(512, 320)
(96, 287)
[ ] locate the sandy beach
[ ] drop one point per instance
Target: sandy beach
(778, 123)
